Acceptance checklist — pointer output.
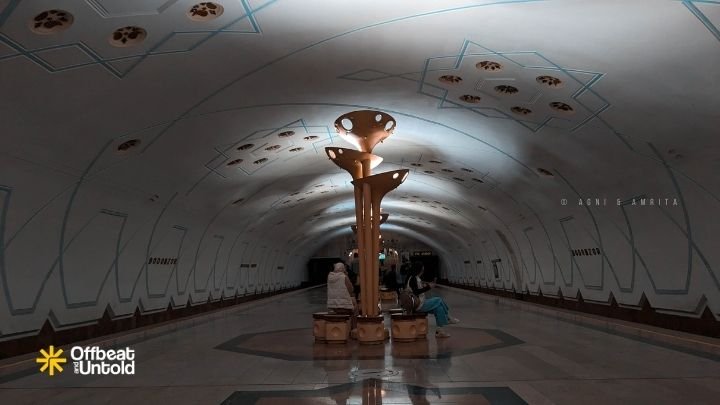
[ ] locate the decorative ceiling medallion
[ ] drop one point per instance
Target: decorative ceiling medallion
(521, 110)
(549, 81)
(234, 162)
(450, 79)
(51, 22)
(273, 147)
(246, 146)
(489, 66)
(127, 36)
(544, 172)
(298, 149)
(562, 107)
(505, 89)
(260, 161)
(127, 145)
(286, 134)
(470, 99)
(310, 138)
(205, 11)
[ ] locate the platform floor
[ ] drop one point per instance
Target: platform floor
(263, 353)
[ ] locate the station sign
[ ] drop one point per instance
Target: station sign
(422, 253)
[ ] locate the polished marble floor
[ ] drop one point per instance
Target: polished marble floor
(263, 353)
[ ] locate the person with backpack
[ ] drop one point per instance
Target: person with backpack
(434, 305)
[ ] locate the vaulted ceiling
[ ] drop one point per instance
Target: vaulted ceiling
(503, 109)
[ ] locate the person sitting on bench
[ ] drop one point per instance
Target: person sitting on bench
(434, 305)
(340, 299)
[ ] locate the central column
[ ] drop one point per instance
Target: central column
(365, 129)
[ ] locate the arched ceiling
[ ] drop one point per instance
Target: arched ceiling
(232, 113)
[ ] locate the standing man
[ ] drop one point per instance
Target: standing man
(355, 274)
(405, 271)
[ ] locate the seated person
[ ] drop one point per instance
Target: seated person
(340, 299)
(434, 305)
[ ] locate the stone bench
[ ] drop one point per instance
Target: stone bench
(421, 323)
(404, 327)
(329, 327)
(337, 328)
(319, 326)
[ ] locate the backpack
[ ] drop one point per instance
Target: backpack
(407, 299)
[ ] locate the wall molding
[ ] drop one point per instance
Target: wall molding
(108, 324)
(703, 324)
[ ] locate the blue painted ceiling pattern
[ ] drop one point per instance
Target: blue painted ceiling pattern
(520, 69)
(166, 43)
(262, 147)
(696, 7)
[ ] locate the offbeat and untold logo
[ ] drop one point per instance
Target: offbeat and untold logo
(89, 360)
(51, 360)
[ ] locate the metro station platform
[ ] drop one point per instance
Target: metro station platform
(263, 352)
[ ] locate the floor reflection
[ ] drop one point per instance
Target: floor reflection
(299, 345)
(375, 391)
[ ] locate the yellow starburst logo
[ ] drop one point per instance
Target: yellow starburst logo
(51, 360)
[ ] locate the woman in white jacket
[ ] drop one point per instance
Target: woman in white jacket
(340, 299)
